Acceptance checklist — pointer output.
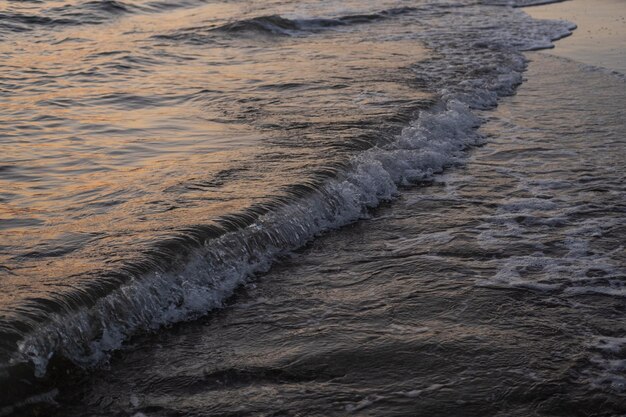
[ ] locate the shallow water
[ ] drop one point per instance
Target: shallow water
(161, 155)
(497, 289)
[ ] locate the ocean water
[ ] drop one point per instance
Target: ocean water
(307, 208)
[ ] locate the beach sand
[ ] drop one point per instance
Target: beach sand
(600, 39)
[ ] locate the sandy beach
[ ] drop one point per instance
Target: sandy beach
(600, 39)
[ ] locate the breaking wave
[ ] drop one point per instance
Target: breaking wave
(475, 61)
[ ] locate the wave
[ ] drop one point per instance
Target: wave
(107, 6)
(19, 22)
(99, 11)
(279, 25)
(89, 324)
(282, 26)
(266, 24)
(476, 62)
(89, 12)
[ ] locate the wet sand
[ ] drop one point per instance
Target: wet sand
(496, 290)
(600, 39)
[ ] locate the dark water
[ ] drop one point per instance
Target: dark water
(158, 156)
(495, 290)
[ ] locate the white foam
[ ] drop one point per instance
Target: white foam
(609, 367)
(610, 344)
(568, 271)
(364, 403)
(419, 392)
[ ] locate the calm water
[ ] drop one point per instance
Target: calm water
(159, 155)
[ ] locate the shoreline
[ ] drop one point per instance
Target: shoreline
(601, 30)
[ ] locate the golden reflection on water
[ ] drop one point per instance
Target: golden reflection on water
(112, 138)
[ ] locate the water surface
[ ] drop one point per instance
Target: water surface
(497, 289)
(157, 156)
